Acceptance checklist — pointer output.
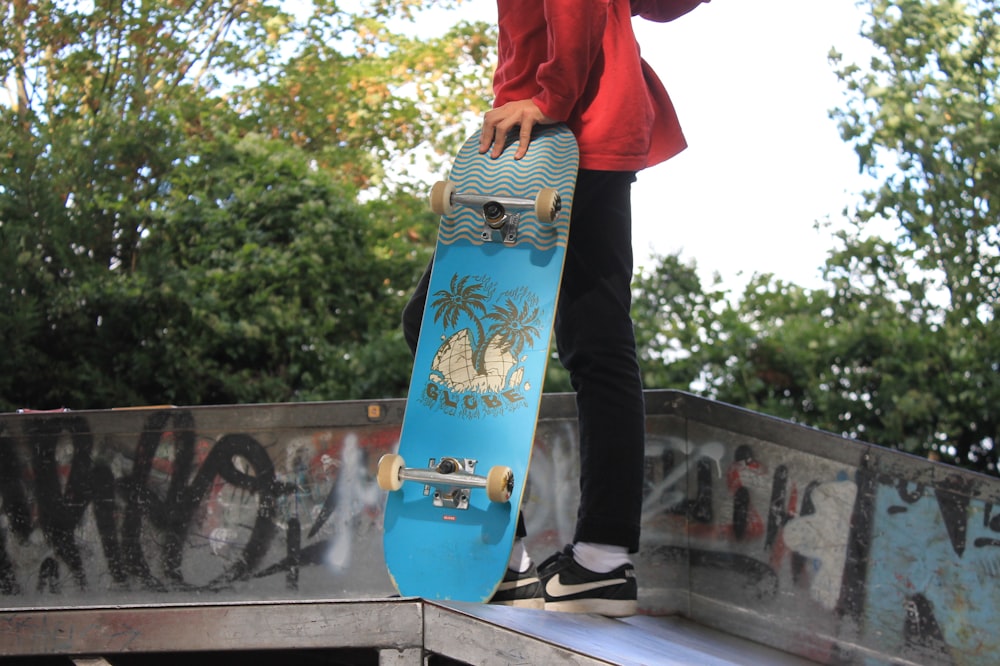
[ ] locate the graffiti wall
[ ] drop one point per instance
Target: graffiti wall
(818, 545)
(822, 546)
(254, 502)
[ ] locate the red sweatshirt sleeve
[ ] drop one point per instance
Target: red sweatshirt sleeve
(575, 35)
(578, 60)
(546, 50)
(662, 11)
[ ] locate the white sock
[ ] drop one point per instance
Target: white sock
(520, 561)
(600, 557)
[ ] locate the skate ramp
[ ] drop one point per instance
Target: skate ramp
(758, 534)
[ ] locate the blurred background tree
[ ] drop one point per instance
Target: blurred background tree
(902, 348)
(194, 200)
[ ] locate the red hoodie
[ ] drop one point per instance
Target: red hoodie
(579, 61)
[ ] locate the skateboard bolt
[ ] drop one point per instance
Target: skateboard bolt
(493, 213)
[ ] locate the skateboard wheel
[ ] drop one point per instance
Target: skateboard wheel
(441, 197)
(389, 467)
(547, 204)
(499, 483)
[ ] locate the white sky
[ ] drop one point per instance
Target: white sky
(753, 88)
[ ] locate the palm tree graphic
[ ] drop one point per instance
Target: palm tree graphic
(517, 327)
(461, 299)
(513, 325)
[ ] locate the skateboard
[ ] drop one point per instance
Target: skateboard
(456, 484)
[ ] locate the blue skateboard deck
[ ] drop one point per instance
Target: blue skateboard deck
(479, 368)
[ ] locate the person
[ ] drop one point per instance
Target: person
(578, 62)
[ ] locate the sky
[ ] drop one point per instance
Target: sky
(753, 87)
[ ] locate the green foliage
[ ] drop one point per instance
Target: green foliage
(355, 93)
(181, 218)
(276, 284)
(675, 320)
(902, 347)
(925, 118)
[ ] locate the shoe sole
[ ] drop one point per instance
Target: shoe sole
(537, 604)
(605, 607)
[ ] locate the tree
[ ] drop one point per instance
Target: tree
(675, 322)
(358, 95)
(924, 119)
(113, 110)
(272, 278)
(901, 348)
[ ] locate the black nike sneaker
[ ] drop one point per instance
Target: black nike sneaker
(571, 588)
(522, 590)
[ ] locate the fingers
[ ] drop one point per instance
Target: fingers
(496, 126)
(502, 120)
(495, 134)
(525, 139)
(488, 136)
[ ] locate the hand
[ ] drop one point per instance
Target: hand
(501, 120)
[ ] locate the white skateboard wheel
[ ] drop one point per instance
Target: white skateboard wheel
(441, 197)
(547, 204)
(389, 467)
(499, 483)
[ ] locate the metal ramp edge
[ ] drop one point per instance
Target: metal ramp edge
(111, 634)
(401, 632)
(488, 635)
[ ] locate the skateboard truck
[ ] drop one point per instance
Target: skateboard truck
(500, 213)
(496, 218)
(451, 479)
(452, 497)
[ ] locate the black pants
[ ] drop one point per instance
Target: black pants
(596, 343)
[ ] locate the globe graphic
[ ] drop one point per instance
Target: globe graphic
(454, 366)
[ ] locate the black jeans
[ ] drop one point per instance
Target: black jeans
(596, 343)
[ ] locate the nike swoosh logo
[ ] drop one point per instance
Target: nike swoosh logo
(514, 584)
(555, 588)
